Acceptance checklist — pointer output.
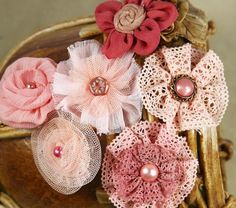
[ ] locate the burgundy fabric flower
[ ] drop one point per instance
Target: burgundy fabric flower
(134, 25)
(147, 166)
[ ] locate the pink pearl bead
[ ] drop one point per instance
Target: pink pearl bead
(149, 172)
(99, 86)
(184, 87)
(31, 85)
(57, 151)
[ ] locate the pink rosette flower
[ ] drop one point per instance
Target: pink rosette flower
(148, 167)
(26, 98)
(66, 153)
(184, 87)
(134, 25)
(102, 92)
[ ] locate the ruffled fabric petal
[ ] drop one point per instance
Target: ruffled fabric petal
(145, 43)
(23, 107)
(105, 13)
(165, 13)
(24, 119)
(79, 159)
(112, 50)
(145, 143)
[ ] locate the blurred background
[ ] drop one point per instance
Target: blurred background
(19, 19)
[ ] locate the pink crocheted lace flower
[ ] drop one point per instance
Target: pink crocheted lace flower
(25, 94)
(134, 25)
(67, 154)
(147, 166)
(101, 92)
(184, 87)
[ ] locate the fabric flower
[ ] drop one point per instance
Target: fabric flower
(147, 166)
(134, 25)
(184, 87)
(67, 154)
(26, 98)
(101, 92)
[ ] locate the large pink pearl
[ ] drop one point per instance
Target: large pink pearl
(57, 151)
(99, 86)
(149, 172)
(184, 87)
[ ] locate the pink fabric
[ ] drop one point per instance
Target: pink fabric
(207, 107)
(120, 106)
(80, 156)
(21, 107)
(135, 32)
(148, 143)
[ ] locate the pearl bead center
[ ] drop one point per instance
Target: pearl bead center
(57, 151)
(149, 172)
(31, 85)
(184, 87)
(99, 86)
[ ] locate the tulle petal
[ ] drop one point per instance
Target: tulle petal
(109, 113)
(80, 157)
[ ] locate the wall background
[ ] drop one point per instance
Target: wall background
(19, 19)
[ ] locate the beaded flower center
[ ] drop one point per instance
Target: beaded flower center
(57, 151)
(30, 85)
(149, 172)
(183, 88)
(99, 86)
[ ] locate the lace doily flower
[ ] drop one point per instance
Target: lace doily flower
(101, 92)
(148, 167)
(135, 25)
(26, 97)
(67, 154)
(184, 87)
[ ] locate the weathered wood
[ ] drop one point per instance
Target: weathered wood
(210, 164)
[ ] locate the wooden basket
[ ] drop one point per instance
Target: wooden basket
(19, 177)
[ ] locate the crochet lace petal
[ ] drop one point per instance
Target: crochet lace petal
(210, 68)
(137, 146)
(178, 59)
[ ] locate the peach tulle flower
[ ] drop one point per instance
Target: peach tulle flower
(101, 92)
(25, 92)
(184, 87)
(147, 166)
(67, 154)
